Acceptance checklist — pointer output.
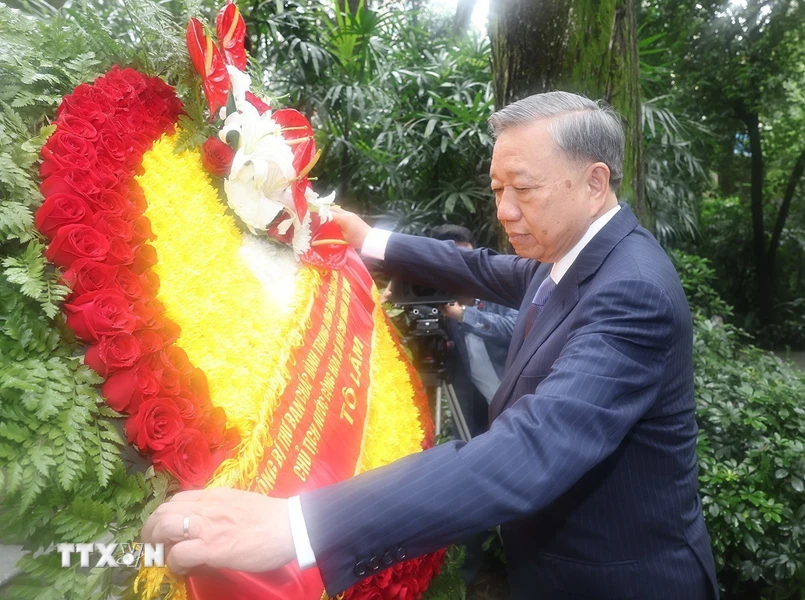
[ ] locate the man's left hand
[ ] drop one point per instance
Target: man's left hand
(453, 310)
(227, 529)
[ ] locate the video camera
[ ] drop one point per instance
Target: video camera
(425, 334)
(423, 328)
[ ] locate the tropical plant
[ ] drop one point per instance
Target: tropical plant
(750, 447)
(400, 104)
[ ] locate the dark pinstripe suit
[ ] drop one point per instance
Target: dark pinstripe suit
(590, 463)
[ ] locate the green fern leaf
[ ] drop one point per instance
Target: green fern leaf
(16, 221)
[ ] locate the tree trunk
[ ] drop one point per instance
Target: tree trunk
(461, 22)
(763, 275)
(782, 215)
(582, 46)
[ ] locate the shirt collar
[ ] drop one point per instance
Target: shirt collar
(561, 266)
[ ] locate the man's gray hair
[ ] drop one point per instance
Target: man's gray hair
(583, 129)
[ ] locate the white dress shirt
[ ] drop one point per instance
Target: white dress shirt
(374, 246)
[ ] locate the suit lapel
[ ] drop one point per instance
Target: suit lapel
(563, 300)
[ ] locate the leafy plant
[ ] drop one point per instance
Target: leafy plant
(400, 106)
(751, 441)
(62, 472)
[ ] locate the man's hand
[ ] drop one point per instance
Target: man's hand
(227, 529)
(354, 228)
(453, 310)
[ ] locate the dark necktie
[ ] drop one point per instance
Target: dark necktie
(544, 292)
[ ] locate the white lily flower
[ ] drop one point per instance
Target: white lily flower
(254, 209)
(241, 83)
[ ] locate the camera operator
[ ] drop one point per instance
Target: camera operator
(482, 332)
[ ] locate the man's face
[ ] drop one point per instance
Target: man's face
(544, 199)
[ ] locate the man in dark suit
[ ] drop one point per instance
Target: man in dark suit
(589, 465)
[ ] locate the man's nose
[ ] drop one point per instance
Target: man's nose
(507, 210)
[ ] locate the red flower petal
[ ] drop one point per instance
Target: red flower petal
(209, 63)
(231, 30)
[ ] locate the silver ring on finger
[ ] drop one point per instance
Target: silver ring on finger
(186, 528)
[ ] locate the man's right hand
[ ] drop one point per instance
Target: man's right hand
(353, 227)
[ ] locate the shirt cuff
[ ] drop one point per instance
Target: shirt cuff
(301, 541)
(374, 246)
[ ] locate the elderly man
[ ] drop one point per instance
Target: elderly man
(589, 464)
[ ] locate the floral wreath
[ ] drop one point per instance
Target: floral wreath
(186, 304)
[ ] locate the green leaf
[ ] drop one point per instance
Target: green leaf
(429, 128)
(16, 221)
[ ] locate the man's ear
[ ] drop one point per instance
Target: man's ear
(598, 182)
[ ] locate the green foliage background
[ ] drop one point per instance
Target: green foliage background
(751, 442)
(400, 105)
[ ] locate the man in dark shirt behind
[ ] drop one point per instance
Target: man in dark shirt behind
(482, 332)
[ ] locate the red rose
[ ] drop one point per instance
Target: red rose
(114, 146)
(81, 90)
(150, 341)
(68, 147)
(71, 181)
(148, 313)
(155, 425)
(83, 106)
(116, 85)
(111, 201)
(176, 357)
(111, 172)
(53, 162)
(128, 283)
(165, 124)
(142, 142)
(100, 313)
(199, 386)
(135, 79)
(73, 242)
(149, 281)
(67, 181)
(141, 230)
(363, 590)
(126, 389)
(152, 102)
(216, 156)
(189, 408)
(113, 353)
(136, 197)
(120, 253)
(112, 226)
(168, 330)
(145, 257)
(213, 425)
(89, 276)
(62, 209)
(189, 459)
(77, 126)
(171, 381)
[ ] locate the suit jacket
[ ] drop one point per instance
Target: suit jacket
(590, 462)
